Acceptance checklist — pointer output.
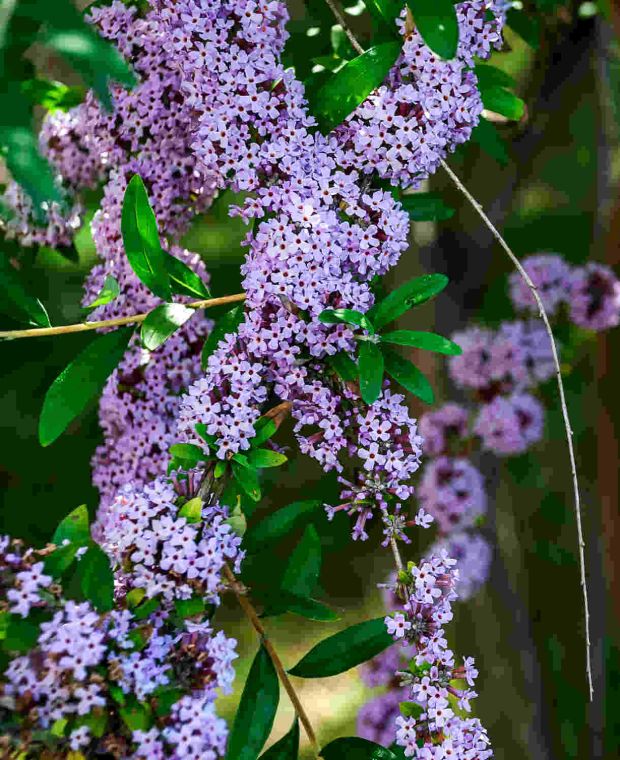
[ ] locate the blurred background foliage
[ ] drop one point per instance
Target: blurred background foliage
(558, 192)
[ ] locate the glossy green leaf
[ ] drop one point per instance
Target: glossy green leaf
(265, 427)
(347, 317)
(344, 366)
(370, 364)
(183, 280)
(247, 479)
(74, 528)
(163, 322)
(262, 458)
(108, 293)
(304, 565)
(141, 239)
(192, 510)
(188, 453)
(286, 748)
(426, 207)
(355, 748)
(343, 91)
(502, 101)
(237, 521)
(60, 560)
(15, 301)
(386, 11)
(437, 23)
(228, 323)
(490, 76)
(53, 96)
(344, 650)
(80, 382)
(280, 523)
(257, 710)
(412, 293)
(488, 138)
(426, 340)
(97, 578)
(408, 375)
(305, 606)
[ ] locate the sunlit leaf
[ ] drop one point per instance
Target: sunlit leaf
(108, 293)
(410, 294)
(162, 322)
(437, 23)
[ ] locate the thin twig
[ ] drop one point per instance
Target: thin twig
(250, 612)
(38, 332)
(396, 553)
(567, 424)
(342, 21)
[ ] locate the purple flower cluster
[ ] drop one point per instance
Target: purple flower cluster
(153, 546)
(510, 425)
(452, 491)
(87, 668)
(473, 555)
(591, 292)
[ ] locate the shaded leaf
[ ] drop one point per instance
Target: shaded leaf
(280, 523)
(141, 239)
(15, 301)
(437, 23)
(190, 607)
(20, 635)
(490, 76)
(246, 478)
(304, 565)
(183, 280)
(408, 375)
(110, 291)
(74, 528)
(137, 716)
(53, 96)
(257, 710)
(97, 578)
(344, 366)
(281, 601)
(162, 322)
(80, 382)
(265, 427)
(502, 101)
(187, 453)
(344, 650)
(262, 458)
(412, 293)
(287, 748)
(228, 323)
(487, 137)
(343, 91)
(370, 371)
(426, 207)
(426, 340)
(525, 25)
(354, 748)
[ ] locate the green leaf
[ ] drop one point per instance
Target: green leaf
(21, 634)
(237, 521)
(426, 340)
(141, 239)
(146, 608)
(53, 96)
(408, 375)
(262, 458)
(525, 25)
(265, 427)
(192, 510)
(502, 101)
(74, 528)
(97, 578)
(304, 565)
(344, 650)
(162, 322)
(58, 561)
(343, 91)
(287, 748)
(281, 601)
(183, 280)
(187, 453)
(437, 23)
(15, 301)
(134, 597)
(137, 716)
(354, 748)
(190, 607)
(257, 710)
(96, 722)
(426, 207)
(279, 524)
(386, 11)
(81, 381)
(228, 323)
(490, 76)
(371, 371)
(487, 137)
(344, 366)
(108, 293)
(412, 293)
(346, 316)
(248, 480)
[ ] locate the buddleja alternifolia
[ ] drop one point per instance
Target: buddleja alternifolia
(107, 633)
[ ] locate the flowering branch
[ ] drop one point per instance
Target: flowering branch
(38, 332)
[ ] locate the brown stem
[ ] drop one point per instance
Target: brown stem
(345, 27)
(250, 612)
(38, 332)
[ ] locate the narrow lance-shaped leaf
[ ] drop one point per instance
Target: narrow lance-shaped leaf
(97, 578)
(347, 317)
(80, 382)
(110, 290)
(287, 748)
(437, 23)
(370, 371)
(15, 301)
(426, 207)
(263, 458)
(502, 101)
(344, 650)
(162, 322)
(184, 280)
(408, 375)
(141, 239)
(410, 294)
(280, 523)
(355, 748)
(425, 340)
(488, 138)
(257, 710)
(340, 95)
(304, 566)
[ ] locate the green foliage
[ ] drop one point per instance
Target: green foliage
(302, 572)
(525, 25)
(287, 748)
(53, 96)
(437, 23)
(385, 11)
(183, 280)
(347, 317)
(15, 301)
(412, 293)
(354, 748)
(344, 650)
(163, 322)
(257, 710)
(19, 634)
(192, 607)
(228, 323)
(279, 524)
(97, 578)
(426, 340)
(487, 137)
(426, 207)
(192, 509)
(246, 477)
(264, 458)
(108, 293)
(494, 85)
(343, 91)
(408, 375)
(370, 371)
(73, 528)
(80, 382)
